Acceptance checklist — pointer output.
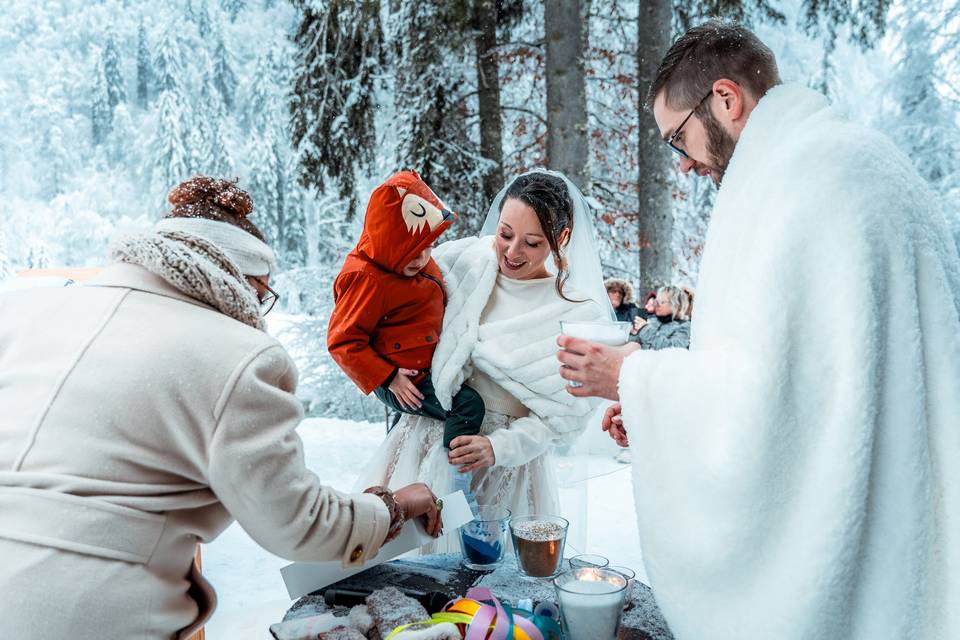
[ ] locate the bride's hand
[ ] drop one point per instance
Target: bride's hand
(471, 453)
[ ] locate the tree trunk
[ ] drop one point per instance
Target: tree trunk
(568, 148)
(655, 221)
(488, 89)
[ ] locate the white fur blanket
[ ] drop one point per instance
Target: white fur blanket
(797, 471)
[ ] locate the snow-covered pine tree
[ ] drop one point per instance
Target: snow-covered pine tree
(167, 65)
(38, 254)
(171, 160)
(273, 171)
(101, 114)
(203, 21)
(56, 161)
(116, 87)
(6, 267)
(209, 144)
(233, 8)
(144, 67)
(120, 138)
(924, 127)
(223, 76)
(265, 188)
(261, 95)
(338, 54)
(436, 130)
(169, 150)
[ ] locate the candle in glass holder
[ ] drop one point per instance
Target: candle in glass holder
(591, 602)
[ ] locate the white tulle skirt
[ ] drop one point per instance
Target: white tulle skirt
(414, 452)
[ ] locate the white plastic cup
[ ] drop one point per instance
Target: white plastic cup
(608, 332)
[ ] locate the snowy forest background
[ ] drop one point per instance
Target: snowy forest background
(104, 105)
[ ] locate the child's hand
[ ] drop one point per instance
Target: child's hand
(405, 391)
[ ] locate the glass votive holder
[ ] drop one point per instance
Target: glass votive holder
(591, 602)
(587, 560)
(630, 575)
(484, 539)
(538, 542)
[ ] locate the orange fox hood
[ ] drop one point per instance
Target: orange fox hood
(403, 217)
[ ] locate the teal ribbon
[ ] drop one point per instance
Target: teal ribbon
(549, 627)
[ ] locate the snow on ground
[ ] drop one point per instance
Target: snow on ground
(596, 496)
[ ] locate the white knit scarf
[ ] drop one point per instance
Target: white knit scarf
(195, 267)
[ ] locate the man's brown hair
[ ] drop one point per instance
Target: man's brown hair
(709, 52)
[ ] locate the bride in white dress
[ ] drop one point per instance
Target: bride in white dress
(499, 336)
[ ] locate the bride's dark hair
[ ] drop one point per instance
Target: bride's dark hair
(549, 197)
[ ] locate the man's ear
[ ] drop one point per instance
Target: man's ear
(729, 101)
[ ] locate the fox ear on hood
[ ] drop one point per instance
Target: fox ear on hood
(402, 191)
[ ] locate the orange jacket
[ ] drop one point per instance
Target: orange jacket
(382, 319)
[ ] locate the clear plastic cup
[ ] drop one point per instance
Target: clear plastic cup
(606, 332)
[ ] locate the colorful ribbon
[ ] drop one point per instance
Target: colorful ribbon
(483, 617)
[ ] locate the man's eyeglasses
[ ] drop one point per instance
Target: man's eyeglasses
(670, 140)
(268, 299)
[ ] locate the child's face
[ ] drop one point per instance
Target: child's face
(414, 266)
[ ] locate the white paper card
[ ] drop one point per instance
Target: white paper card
(302, 578)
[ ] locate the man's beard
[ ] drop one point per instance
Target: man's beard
(720, 145)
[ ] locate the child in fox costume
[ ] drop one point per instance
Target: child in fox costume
(389, 299)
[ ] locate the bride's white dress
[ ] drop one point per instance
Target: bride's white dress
(499, 335)
(414, 452)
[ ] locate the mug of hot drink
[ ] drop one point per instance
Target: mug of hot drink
(608, 332)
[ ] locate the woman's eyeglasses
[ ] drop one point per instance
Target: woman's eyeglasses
(268, 299)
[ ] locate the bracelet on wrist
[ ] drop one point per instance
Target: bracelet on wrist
(397, 514)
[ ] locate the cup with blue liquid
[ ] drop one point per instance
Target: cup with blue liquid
(484, 539)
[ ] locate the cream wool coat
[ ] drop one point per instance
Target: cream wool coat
(136, 423)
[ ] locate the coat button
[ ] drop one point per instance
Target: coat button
(357, 553)
(396, 345)
(429, 338)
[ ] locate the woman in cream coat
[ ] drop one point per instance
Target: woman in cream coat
(499, 336)
(142, 412)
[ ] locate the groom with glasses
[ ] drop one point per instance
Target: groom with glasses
(794, 473)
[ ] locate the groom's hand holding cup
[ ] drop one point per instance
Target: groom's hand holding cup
(593, 365)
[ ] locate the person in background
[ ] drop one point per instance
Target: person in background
(649, 306)
(620, 293)
(144, 411)
(670, 325)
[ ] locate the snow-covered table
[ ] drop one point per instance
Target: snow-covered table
(443, 576)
